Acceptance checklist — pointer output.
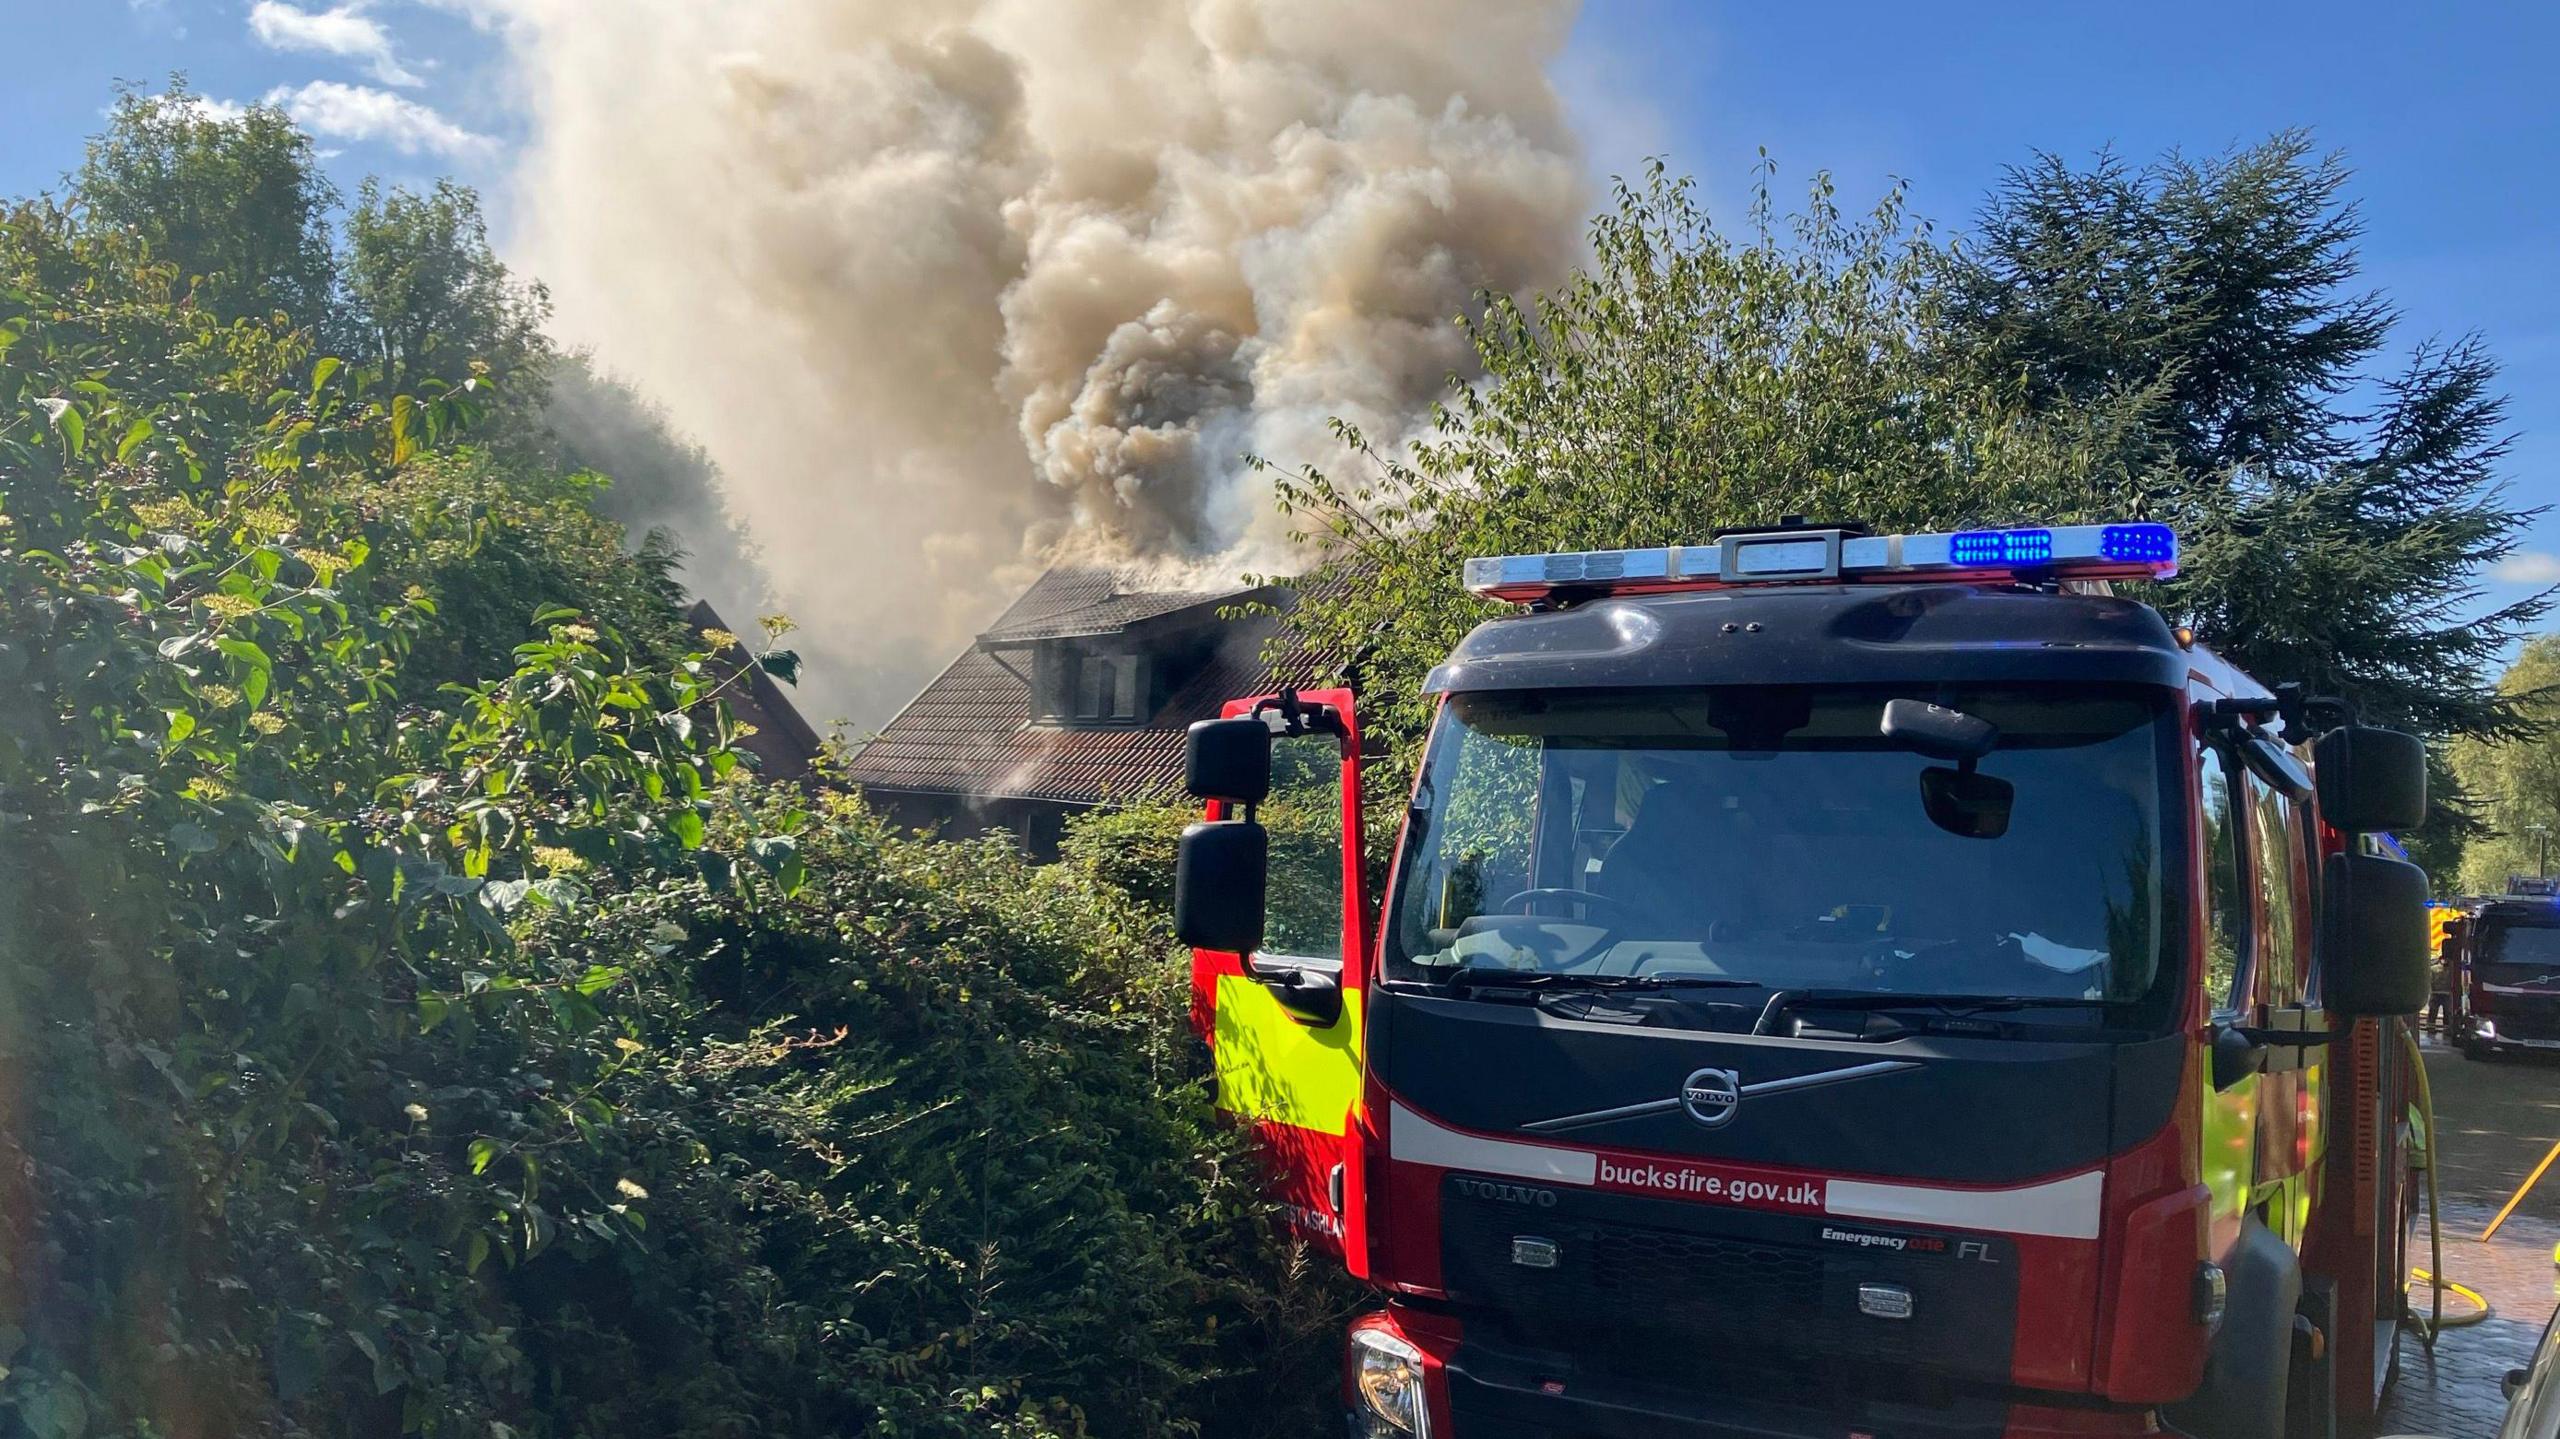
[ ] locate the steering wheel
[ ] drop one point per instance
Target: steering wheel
(1519, 904)
(1584, 897)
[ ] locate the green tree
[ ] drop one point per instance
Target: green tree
(417, 1021)
(251, 882)
(2515, 782)
(2338, 503)
(1684, 382)
(236, 201)
(429, 303)
(662, 482)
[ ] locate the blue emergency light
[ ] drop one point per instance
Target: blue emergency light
(2136, 551)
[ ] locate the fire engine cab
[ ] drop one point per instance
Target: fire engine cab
(1836, 985)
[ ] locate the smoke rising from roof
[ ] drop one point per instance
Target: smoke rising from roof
(950, 289)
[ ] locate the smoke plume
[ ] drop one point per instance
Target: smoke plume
(949, 289)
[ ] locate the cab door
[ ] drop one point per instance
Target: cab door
(1283, 1025)
(2289, 1116)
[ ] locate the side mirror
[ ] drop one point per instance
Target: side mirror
(2370, 779)
(1938, 732)
(1967, 803)
(1228, 759)
(1220, 879)
(2373, 937)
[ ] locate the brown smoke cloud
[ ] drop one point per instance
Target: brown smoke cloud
(949, 288)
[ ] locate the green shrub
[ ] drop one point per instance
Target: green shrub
(413, 1019)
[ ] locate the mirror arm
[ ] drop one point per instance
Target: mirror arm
(2286, 1038)
(1298, 718)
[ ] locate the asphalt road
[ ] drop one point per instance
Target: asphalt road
(2495, 1121)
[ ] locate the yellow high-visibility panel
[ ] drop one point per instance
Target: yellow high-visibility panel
(1274, 1066)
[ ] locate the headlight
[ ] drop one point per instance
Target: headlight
(1387, 1371)
(2485, 1030)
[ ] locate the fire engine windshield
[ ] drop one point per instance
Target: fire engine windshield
(2519, 954)
(1778, 838)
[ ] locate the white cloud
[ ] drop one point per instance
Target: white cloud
(345, 31)
(2528, 567)
(201, 107)
(334, 111)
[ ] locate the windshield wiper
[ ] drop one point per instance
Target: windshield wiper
(1544, 979)
(1954, 1004)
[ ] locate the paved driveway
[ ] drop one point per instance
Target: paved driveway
(2496, 1122)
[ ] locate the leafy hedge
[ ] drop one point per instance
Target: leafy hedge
(412, 1019)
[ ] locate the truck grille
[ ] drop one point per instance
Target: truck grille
(2521, 1016)
(1668, 1290)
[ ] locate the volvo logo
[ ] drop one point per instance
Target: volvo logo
(1507, 1193)
(1711, 1096)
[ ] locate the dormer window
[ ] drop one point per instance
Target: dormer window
(1106, 689)
(1083, 687)
(1115, 657)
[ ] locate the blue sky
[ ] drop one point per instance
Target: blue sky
(2446, 114)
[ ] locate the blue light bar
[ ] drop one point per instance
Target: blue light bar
(2138, 544)
(2133, 551)
(2003, 548)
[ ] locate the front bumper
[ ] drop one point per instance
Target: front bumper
(1482, 1390)
(2506, 1032)
(1494, 1396)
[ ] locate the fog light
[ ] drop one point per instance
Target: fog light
(2484, 1029)
(2213, 1290)
(1388, 1374)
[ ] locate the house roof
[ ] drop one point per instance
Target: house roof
(970, 734)
(784, 744)
(1117, 612)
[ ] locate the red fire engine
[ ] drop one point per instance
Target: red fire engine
(1832, 985)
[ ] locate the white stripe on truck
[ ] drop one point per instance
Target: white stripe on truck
(2065, 1208)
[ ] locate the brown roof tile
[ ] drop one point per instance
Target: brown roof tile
(969, 732)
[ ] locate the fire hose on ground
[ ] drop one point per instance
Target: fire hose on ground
(2436, 1321)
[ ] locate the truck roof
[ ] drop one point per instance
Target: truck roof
(2521, 909)
(1822, 634)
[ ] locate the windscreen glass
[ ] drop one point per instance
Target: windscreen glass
(2520, 954)
(1778, 838)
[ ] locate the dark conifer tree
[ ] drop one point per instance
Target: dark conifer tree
(2339, 502)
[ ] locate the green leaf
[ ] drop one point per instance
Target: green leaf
(598, 979)
(783, 665)
(686, 825)
(432, 1009)
(321, 372)
(54, 1411)
(66, 419)
(481, 1152)
(135, 436)
(181, 725)
(188, 837)
(404, 438)
(479, 1253)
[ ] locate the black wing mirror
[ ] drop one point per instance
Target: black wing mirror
(2373, 917)
(1228, 759)
(2370, 779)
(1220, 881)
